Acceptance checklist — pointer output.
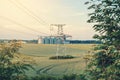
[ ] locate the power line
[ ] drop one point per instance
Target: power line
(18, 31)
(31, 12)
(10, 20)
(28, 12)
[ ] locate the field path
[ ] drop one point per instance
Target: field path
(45, 69)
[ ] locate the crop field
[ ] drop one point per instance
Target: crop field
(40, 54)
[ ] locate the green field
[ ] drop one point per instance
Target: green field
(40, 54)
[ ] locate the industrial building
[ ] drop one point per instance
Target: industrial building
(54, 40)
(59, 38)
(50, 40)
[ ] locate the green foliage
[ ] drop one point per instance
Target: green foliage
(74, 77)
(69, 77)
(106, 15)
(105, 65)
(44, 77)
(15, 46)
(65, 77)
(9, 68)
(62, 57)
(82, 77)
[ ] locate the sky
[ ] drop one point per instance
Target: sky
(28, 19)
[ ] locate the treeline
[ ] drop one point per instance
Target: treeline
(67, 41)
(84, 42)
(25, 41)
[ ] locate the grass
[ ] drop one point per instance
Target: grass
(41, 53)
(50, 50)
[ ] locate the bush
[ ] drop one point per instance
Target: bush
(62, 57)
(10, 69)
(65, 77)
(44, 77)
(69, 77)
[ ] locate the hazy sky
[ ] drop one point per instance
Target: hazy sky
(24, 19)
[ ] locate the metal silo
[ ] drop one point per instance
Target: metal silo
(57, 40)
(51, 40)
(54, 40)
(46, 40)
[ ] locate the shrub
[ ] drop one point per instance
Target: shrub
(44, 77)
(10, 69)
(69, 77)
(62, 57)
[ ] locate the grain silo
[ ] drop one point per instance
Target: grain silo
(51, 40)
(40, 40)
(46, 40)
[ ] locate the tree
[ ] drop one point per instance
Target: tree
(105, 65)
(106, 16)
(10, 69)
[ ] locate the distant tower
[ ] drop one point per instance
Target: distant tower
(60, 39)
(60, 28)
(60, 34)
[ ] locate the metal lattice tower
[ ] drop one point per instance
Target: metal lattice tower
(60, 28)
(60, 35)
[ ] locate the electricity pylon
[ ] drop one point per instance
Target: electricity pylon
(60, 39)
(60, 28)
